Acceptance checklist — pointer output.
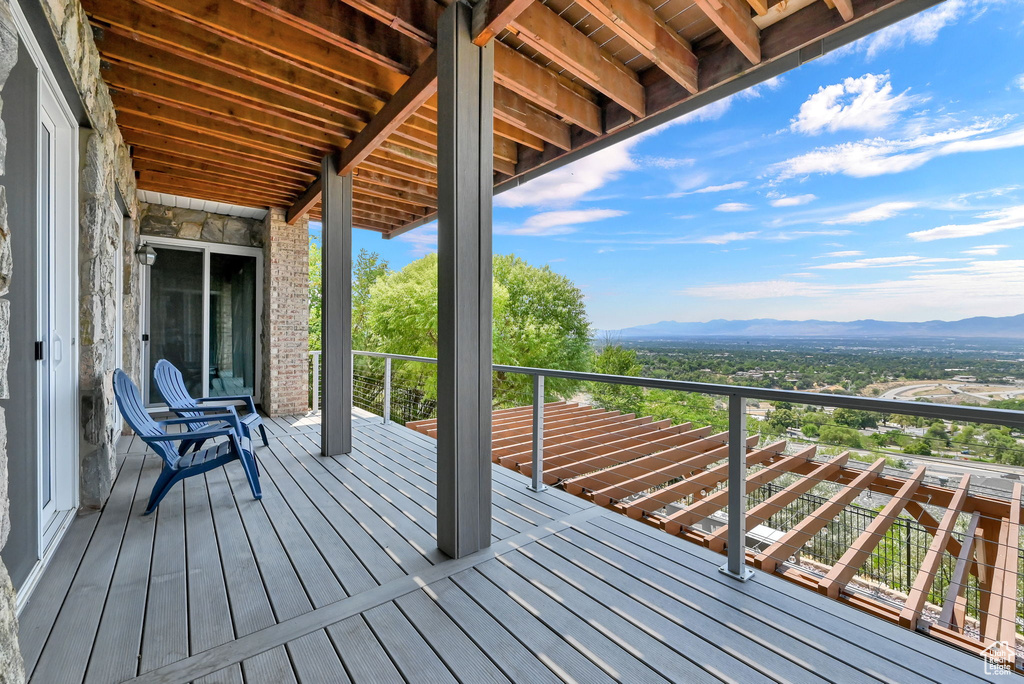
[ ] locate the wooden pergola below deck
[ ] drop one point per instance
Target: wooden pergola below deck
(335, 576)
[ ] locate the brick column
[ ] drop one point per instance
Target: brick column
(285, 315)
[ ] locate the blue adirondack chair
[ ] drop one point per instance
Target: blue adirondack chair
(178, 466)
(172, 386)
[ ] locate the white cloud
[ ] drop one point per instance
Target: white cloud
(732, 207)
(884, 262)
(865, 104)
(665, 162)
(985, 250)
(879, 156)
(721, 188)
(1019, 82)
(797, 234)
(563, 187)
(423, 240)
(918, 29)
(724, 238)
(559, 222)
(840, 255)
(981, 288)
(794, 201)
(879, 212)
(1003, 219)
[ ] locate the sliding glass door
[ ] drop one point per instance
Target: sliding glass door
(203, 315)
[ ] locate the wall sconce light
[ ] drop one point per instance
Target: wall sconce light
(146, 255)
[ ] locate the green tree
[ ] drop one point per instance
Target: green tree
(614, 359)
(316, 296)
(368, 267)
(539, 320)
(919, 447)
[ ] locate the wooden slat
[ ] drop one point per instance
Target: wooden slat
(637, 23)
(913, 607)
(201, 152)
(142, 155)
(954, 607)
(702, 508)
(491, 17)
(762, 512)
(732, 17)
(545, 31)
(413, 18)
(769, 559)
(1002, 625)
(846, 567)
(309, 197)
(519, 73)
(413, 93)
(845, 8)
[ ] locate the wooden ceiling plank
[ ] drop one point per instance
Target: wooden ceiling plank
(491, 17)
(638, 24)
(149, 144)
(732, 17)
(514, 109)
(392, 167)
(833, 584)
(413, 18)
(420, 86)
(131, 92)
(203, 172)
(208, 79)
(545, 31)
(346, 27)
(542, 86)
(517, 135)
(205, 192)
(169, 33)
(256, 30)
(913, 607)
(174, 178)
(372, 207)
(791, 542)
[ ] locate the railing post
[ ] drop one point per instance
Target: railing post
(736, 566)
(387, 390)
(316, 381)
(537, 476)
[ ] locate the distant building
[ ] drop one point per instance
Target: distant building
(965, 378)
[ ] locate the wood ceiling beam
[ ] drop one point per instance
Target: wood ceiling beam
(211, 80)
(413, 18)
(637, 23)
(254, 29)
(169, 33)
(413, 93)
(519, 73)
(143, 167)
(491, 17)
(202, 172)
(151, 115)
(137, 92)
(148, 156)
(309, 198)
(348, 28)
(516, 110)
(845, 8)
(372, 220)
(420, 203)
(203, 191)
(379, 161)
(149, 143)
(913, 607)
(732, 17)
(400, 215)
(844, 570)
(383, 204)
(549, 34)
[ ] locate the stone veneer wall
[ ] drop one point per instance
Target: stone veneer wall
(285, 315)
(12, 668)
(159, 220)
(105, 171)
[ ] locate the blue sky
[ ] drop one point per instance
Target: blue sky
(885, 180)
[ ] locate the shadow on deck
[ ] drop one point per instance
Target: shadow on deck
(334, 576)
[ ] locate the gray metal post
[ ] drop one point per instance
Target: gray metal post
(387, 390)
(336, 310)
(537, 477)
(316, 381)
(465, 105)
(736, 564)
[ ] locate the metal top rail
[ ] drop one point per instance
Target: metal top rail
(969, 414)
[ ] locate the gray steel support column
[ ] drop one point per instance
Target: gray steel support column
(336, 310)
(465, 101)
(737, 535)
(537, 457)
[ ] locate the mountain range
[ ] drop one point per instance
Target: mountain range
(980, 326)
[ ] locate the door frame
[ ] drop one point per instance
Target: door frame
(207, 248)
(66, 219)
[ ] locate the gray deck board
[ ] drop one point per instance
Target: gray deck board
(334, 576)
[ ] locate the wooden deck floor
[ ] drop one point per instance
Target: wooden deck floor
(334, 577)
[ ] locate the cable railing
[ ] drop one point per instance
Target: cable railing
(933, 553)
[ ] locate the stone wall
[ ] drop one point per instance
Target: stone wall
(12, 668)
(159, 220)
(285, 315)
(106, 170)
